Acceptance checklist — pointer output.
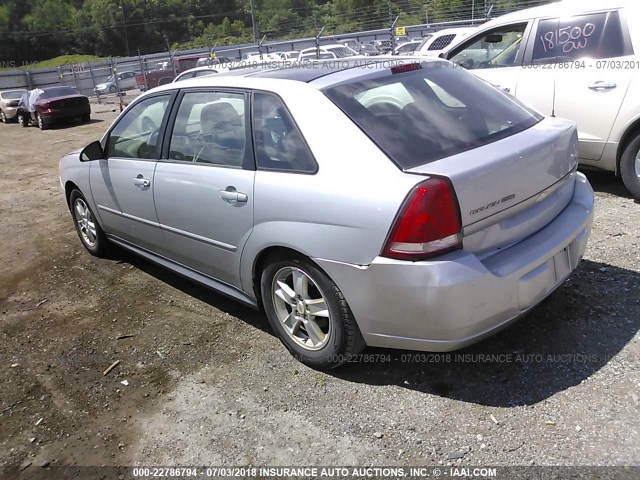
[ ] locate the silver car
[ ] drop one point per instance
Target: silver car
(122, 80)
(402, 204)
(9, 100)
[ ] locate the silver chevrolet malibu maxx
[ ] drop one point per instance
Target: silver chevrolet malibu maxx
(403, 204)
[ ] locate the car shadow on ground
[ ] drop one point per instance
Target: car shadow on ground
(565, 340)
(607, 182)
(225, 304)
(63, 125)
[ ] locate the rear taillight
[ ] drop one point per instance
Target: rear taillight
(428, 223)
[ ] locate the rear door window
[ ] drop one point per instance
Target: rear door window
(278, 141)
(428, 111)
(597, 35)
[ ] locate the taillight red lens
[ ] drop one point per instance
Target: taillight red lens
(428, 223)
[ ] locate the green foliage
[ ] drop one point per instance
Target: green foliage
(32, 30)
(64, 60)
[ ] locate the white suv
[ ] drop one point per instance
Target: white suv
(574, 59)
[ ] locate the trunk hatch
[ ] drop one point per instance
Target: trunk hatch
(511, 188)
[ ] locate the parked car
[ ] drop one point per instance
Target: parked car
(196, 72)
(124, 80)
(351, 43)
(368, 50)
(574, 60)
(208, 61)
(408, 48)
(441, 210)
(292, 55)
(9, 100)
(438, 42)
(327, 52)
(165, 72)
(272, 57)
(45, 106)
(383, 46)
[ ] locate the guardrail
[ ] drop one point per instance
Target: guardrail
(86, 77)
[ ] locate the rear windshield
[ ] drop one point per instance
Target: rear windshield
(431, 112)
(14, 95)
(58, 92)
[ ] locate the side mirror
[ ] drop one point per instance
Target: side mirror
(93, 151)
(493, 38)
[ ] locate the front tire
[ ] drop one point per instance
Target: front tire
(3, 117)
(89, 231)
(630, 167)
(309, 314)
(112, 89)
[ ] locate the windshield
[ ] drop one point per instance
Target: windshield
(429, 111)
(341, 52)
(58, 92)
(408, 47)
(14, 95)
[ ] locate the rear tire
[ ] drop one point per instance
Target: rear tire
(309, 313)
(42, 125)
(22, 120)
(630, 167)
(87, 226)
(86, 118)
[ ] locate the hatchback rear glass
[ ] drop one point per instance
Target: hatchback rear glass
(58, 92)
(428, 111)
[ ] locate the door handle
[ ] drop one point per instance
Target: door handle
(141, 182)
(602, 86)
(232, 195)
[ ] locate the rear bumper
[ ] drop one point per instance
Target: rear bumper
(458, 299)
(56, 115)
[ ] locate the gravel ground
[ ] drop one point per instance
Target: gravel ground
(207, 383)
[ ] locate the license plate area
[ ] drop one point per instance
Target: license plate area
(562, 264)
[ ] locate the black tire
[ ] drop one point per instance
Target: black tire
(628, 170)
(3, 117)
(112, 89)
(343, 337)
(23, 121)
(42, 125)
(86, 118)
(100, 247)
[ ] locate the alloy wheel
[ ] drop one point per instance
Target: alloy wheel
(3, 117)
(301, 308)
(85, 222)
(637, 164)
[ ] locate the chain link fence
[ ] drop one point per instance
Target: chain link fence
(109, 81)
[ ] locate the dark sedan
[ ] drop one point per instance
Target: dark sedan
(45, 106)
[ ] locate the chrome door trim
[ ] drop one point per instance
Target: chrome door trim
(128, 216)
(193, 236)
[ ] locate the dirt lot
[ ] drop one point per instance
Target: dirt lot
(208, 383)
